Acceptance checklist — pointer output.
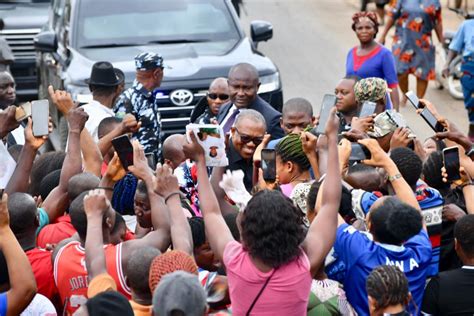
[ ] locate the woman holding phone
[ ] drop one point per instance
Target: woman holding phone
(369, 58)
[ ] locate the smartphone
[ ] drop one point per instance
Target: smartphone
(359, 152)
(269, 164)
(124, 149)
(451, 163)
(329, 101)
(396, 119)
(368, 108)
(431, 120)
(411, 96)
(150, 157)
(40, 117)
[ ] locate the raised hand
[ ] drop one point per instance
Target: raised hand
(8, 121)
(61, 99)
(129, 124)
(193, 150)
(379, 157)
(257, 155)
(332, 125)
(77, 119)
(140, 168)
(309, 142)
(115, 170)
(400, 138)
(363, 124)
(96, 203)
(454, 134)
(164, 182)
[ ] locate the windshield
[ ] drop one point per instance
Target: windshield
(109, 23)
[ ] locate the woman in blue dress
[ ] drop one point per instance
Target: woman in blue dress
(412, 44)
(369, 58)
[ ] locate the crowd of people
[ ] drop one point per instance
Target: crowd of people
(391, 233)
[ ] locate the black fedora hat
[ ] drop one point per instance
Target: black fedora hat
(104, 74)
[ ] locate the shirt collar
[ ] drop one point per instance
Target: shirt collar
(394, 248)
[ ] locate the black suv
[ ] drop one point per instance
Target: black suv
(23, 21)
(199, 40)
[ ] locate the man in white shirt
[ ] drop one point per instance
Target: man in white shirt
(104, 84)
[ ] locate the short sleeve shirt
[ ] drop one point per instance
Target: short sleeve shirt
(289, 285)
(361, 255)
(464, 39)
(43, 220)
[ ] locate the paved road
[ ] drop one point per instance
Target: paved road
(310, 43)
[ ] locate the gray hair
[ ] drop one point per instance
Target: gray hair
(250, 115)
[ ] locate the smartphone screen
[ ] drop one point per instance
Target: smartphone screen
(451, 163)
(124, 149)
(431, 120)
(40, 117)
(411, 96)
(269, 164)
(329, 101)
(368, 108)
(359, 152)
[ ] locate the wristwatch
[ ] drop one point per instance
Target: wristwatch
(394, 177)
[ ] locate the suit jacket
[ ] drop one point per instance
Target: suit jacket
(272, 116)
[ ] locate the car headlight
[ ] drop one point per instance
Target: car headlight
(269, 83)
(80, 94)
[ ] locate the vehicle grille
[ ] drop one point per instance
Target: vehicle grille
(175, 118)
(21, 42)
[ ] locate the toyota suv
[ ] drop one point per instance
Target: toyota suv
(198, 39)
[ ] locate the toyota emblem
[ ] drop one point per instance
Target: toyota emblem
(181, 97)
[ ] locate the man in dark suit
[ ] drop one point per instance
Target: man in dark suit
(244, 82)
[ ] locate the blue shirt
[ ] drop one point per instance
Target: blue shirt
(464, 39)
(43, 220)
(273, 143)
(361, 255)
(3, 304)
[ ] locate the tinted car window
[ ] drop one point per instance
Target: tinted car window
(143, 22)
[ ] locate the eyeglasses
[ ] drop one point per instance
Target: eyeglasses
(214, 96)
(247, 139)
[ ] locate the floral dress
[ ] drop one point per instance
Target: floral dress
(413, 47)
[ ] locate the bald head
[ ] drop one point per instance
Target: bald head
(22, 210)
(244, 71)
(173, 150)
(7, 90)
(218, 83)
(80, 183)
(243, 85)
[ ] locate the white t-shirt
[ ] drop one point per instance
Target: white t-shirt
(97, 112)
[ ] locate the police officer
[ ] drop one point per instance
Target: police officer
(140, 101)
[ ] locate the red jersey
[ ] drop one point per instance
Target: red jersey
(70, 274)
(42, 267)
(55, 233)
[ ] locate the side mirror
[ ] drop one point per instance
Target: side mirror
(46, 42)
(261, 31)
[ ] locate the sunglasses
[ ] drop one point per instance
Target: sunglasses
(214, 96)
(247, 139)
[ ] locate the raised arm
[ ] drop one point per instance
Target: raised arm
(57, 201)
(22, 280)
(129, 124)
(7, 121)
(114, 173)
(322, 232)
(159, 238)
(20, 180)
(95, 206)
(166, 185)
(310, 142)
(217, 231)
(216, 177)
(400, 186)
(92, 158)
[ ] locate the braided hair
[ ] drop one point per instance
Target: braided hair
(124, 193)
(388, 286)
(290, 148)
